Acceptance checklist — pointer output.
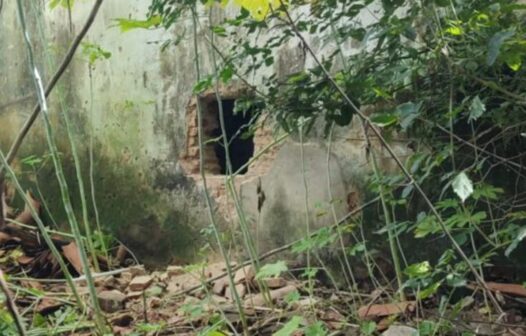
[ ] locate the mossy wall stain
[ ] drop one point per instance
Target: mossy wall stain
(156, 224)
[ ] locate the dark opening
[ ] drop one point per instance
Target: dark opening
(241, 146)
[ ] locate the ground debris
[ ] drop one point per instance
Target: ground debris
(388, 309)
(511, 289)
(111, 300)
(167, 303)
(71, 252)
(398, 330)
(140, 283)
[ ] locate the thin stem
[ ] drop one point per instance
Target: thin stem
(306, 204)
(215, 228)
(353, 285)
(391, 233)
(99, 320)
(82, 192)
(92, 167)
(11, 306)
(76, 160)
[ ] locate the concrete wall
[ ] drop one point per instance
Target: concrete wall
(139, 108)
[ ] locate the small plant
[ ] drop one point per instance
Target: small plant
(271, 270)
(94, 52)
(368, 328)
(291, 327)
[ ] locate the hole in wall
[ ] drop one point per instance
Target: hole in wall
(240, 145)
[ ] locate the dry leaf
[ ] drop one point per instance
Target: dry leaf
(48, 305)
(25, 216)
(25, 260)
(71, 252)
(4, 238)
(511, 289)
(380, 310)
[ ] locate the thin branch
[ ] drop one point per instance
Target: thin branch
(467, 143)
(2, 219)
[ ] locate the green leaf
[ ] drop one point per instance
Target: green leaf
(495, 44)
(226, 74)
(316, 329)
(418, 270)
(219, 30)
(272, 270)
(309, 272)
(39, 321)
(384, 120)
(426, 328)
(290, 327)
(356, 249)
(520, 237)
(517, 215)
(32, 160)
(424, 294)
(461, 238)
(462, 186)
(368, 327)
(513, 60)
(68, 4)
(129, 24)
(487, 191)
(203, 85)
(407, 113)
(426, 225)
(292, 297)
(94, 52)
(454, 30)
(477, 109)
(150, 327)
(454, 280)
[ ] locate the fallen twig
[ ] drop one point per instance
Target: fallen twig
(82, 277)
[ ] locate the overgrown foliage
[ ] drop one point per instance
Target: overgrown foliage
(445, 74)
(448, 74)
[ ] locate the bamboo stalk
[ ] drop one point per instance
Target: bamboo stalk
(99, 320)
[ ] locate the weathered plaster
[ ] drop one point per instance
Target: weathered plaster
(141, 121)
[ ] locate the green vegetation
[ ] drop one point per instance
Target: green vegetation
(447, 76)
